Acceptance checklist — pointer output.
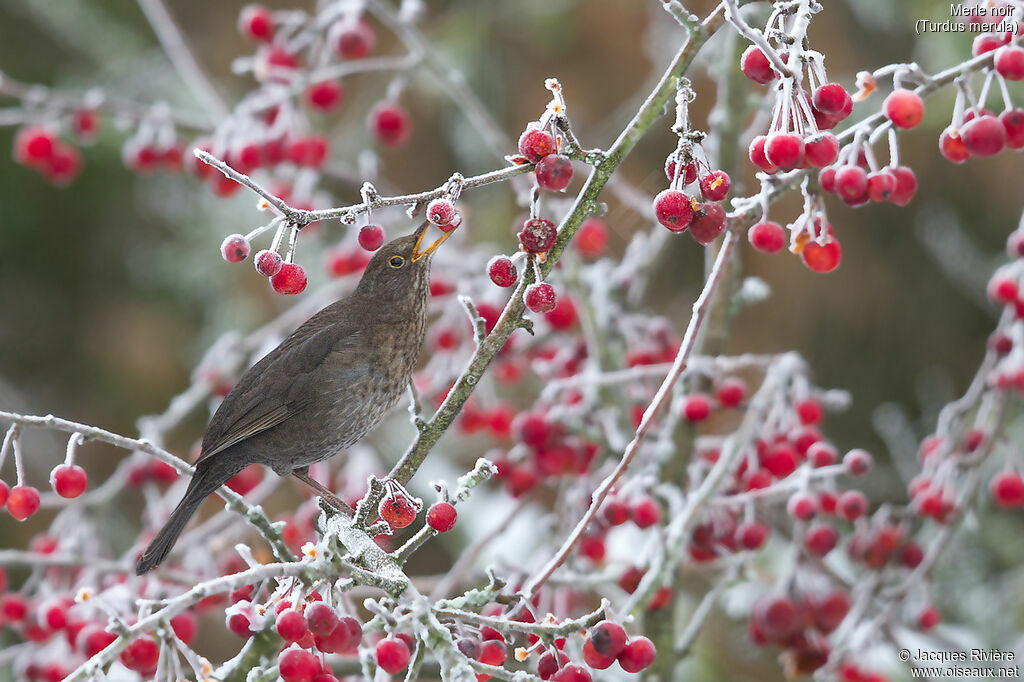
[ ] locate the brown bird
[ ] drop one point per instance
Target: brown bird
(325, 387)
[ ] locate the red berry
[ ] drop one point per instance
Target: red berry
(502, 271)
(827, 179)
(820, 539)
(751, 534)
(392, 655)
(356, 39)
(696, 408)
(731, 392)
(141, 655)
(63, 166)
(291, 625)
(397, 509)
(267, 262)
(674, 209)
(952, 147)
(906, 185)
(493, 652)
(1013, 121)
(768, 236)
(235, 248)
(687, 172)
(857, 462)
(371, 237)
(343, 639)
(563, 316)
(984, 136)
(608, 638)
(290, 279)
(904, 108)
(256, 23)
(572, 673)
(93, 639)
(441, 212)
(929, 618)
(830, 610)
(852, 505)
(297, 665)
(390, 124)
(757, 154)
(708, 222)
(309, 151)
(645, 512)
(85, 123)
(540, 298)
(809, 411)
(802, 506)
(538, 235)
(22, 502)
(637, 655)
(821, 149)
(1007, 489)
(986, 42)
(851, 182)
(1009, 62)
(471, 648)
(785, 150)
(69, 480)
(881, 185)
(830, 98)
(34, 146)
(4, 492)
(548, 664)
(591, 238)
(321, 619)
(441, 517)
(325, 96)
(535, 144)
(755, 66)
(554, 172)
(590, 657)
(715, 186)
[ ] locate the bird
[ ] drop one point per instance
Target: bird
(322, 389)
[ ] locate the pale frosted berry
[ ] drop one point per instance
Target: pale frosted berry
(256, 23)
(34, 146)
(392, 655)
(881, 185)
(822, 258)
(952, 147)
(830, 98)
(535, 144)
(441, 212)
(637, 655)
(852, 505)
(325, 96)
(22, 502)
(857, 462)
(821, 150)
(267, 263)
(4, 492)
(715, 186)
(785, 150)
(904, 108)
(371, 237)
(1009, 62)
(1007, 489)
(290, 279)
(986, 42)
(708, 222)
(591, 238)
(755, 66)
(502, 271)
(984, 136)
(235, 248)
(69, 480)
(390, 124)
(767, 236)
(540, 298)
(554, 172)
(673, 209)
(538, 235)
(553, 660)
(441, 516)
(85, 123)
(397, 509)
(851, 183)
(802, 506)
(356, 39)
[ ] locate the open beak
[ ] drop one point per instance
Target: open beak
(420, 232)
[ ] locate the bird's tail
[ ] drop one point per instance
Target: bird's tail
(210, 474)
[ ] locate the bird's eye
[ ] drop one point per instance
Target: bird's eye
(396, 262)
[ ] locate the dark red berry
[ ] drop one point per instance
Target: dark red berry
(141, 654)
(554, 172)
(820, 539)
(356, 39)
(397, 509)
(325, 96)
(540, 298)
(785, 150)
(502, 271)
(708, 222)
(538, 235)
(608, 638)
(1007, 489)
(297, 665)
(535, 144)
(321, 619)
(674, 209)
(906, 185)
(268, 263)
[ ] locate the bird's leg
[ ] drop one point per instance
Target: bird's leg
(325, 494)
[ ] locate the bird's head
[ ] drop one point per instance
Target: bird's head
(401, 268)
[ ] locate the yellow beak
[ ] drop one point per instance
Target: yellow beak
(421, 231)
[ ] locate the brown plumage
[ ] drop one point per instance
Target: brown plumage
(325, 387)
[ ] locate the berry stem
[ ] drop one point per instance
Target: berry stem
(74, 441)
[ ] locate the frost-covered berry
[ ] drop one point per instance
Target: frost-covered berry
(22, 502)
(235, 248)
(904, 108)
(371, 237)
(673, 209)
(392, 655)
(390, 124)
(267, 262)
(540, 298)
(141, 655)
(714, 186)
(441, 212)
(984, 136)
(822, 258)
(34, 146)
(69, 480)
(757, 154)
(256, 23)
(441, 516)
(906, 185)
(592, 238)
(554, 172)
(535, 144)
(321, 619)
(397, 509)
(830, 98)
(297, 665)
(538, 235)
(356, 39)
(755, 66)
(708, 222)
(785, 150)
(767, 236)
(290, 279)
(1007, 488)
(502, 271)
(821, 150)
(325, 96)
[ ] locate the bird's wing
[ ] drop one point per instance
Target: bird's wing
(278, 386)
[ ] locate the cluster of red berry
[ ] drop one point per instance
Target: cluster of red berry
(40, 148)
(22, 501)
